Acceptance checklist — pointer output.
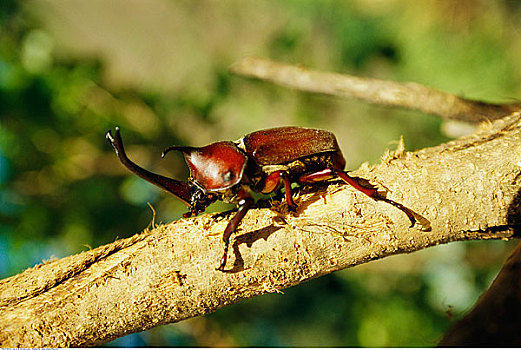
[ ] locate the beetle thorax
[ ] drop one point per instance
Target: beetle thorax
(216, 167)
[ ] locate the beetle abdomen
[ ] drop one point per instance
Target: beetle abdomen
(287, 144)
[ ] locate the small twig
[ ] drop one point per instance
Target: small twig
(380, 92)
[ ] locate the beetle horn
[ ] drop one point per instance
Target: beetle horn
(184, 149)
(180, 189)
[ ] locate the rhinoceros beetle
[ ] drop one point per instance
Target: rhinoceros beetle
(262, 161)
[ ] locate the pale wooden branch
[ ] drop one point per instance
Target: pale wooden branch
(381, 92)
(495, 320)
(465, 189)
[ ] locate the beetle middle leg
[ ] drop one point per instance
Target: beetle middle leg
(273, 181)
(372, 192)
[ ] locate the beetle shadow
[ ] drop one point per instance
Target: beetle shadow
(249, 238)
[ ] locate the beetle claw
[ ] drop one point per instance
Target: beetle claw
(222, 263)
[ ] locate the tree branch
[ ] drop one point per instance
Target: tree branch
(380, 92)
(495, 320)
(465, 189)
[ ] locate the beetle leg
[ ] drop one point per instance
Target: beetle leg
(245, 203)
(272, 182)
(287, 191)
(180, 189)
(372, 192)
(318, 176)
(330, 173)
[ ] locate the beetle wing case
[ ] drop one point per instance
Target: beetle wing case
(286, 144)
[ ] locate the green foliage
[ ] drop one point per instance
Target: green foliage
(159, 72)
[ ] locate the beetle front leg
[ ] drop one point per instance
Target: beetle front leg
(245, 203)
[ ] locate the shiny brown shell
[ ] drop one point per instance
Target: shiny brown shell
(216, 167)
(286, 144)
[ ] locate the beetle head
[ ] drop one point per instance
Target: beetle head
(199, 200)
(216, 167)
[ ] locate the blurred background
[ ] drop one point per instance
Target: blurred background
(70, 70)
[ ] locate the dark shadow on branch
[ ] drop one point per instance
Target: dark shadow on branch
(249, 238)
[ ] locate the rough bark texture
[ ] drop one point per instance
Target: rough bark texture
(465, 189)
(382, 92)
(495, 320)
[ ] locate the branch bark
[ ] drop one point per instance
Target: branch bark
(465, 189)
(380, 92)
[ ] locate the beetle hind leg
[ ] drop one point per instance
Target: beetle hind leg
(372, 192)
(369, 191)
